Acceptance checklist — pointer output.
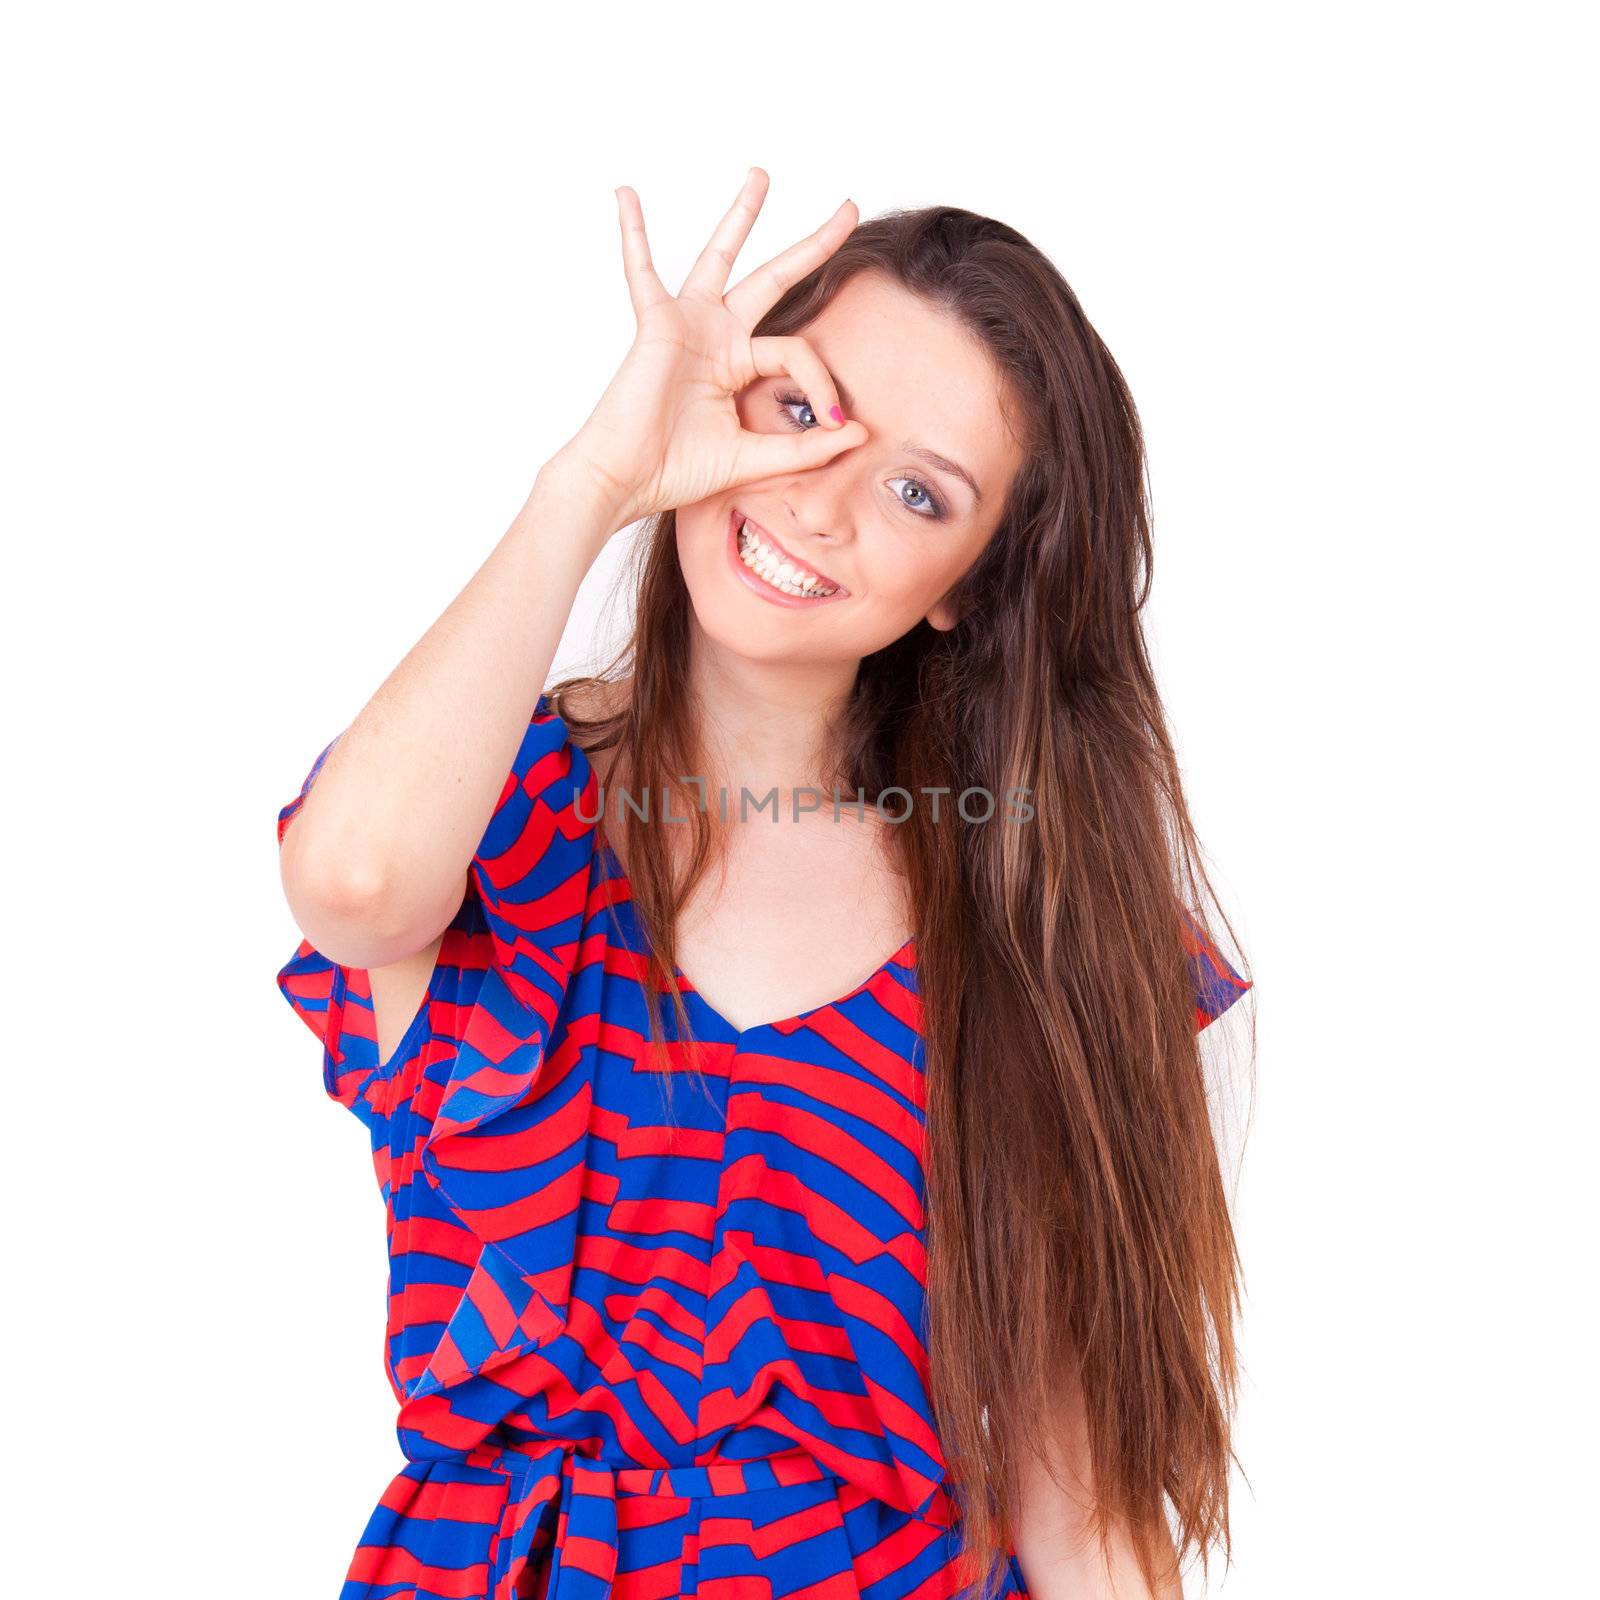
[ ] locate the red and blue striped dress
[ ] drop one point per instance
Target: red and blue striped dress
(640, 1353)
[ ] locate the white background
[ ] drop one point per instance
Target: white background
(299, 298)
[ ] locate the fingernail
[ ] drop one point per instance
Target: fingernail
(836, 413)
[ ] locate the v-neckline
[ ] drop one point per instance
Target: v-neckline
(616, 872)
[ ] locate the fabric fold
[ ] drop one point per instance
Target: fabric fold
(1215, 983)
(506, 1145)
(663, 1352)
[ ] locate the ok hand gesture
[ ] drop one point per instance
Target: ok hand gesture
(666, 432)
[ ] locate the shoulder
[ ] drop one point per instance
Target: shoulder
(589, 710)
(591, 699)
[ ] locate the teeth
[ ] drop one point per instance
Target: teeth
(780, 573)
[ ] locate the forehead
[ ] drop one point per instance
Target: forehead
(917, 375)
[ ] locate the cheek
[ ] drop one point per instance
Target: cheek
(696, 532)
(701, 539)
(906, 578)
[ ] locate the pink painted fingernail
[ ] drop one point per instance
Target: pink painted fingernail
(836, 413)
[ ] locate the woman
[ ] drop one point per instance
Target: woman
(929, 1281)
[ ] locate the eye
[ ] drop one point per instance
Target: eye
(929, 506)
(935, 512)
(787, 400)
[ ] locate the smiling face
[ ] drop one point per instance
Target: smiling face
(889, 526)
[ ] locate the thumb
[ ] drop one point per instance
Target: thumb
(768, 453)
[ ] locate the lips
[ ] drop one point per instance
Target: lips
(803, 567)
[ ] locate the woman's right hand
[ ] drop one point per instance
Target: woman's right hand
(666, 432)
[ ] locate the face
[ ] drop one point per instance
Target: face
(889, 529)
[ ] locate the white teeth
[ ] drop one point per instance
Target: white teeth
(775, 569)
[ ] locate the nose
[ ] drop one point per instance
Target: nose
(817, 507)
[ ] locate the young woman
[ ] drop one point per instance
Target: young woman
(779, 1049)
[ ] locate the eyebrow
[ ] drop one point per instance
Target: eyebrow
(932, 457)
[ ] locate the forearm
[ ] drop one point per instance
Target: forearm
(1062, 1559)
(403, 798)
(1058, 1549)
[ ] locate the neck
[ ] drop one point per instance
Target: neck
(765, 724)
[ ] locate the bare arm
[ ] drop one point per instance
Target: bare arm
(1057, 1548)
(374, 865)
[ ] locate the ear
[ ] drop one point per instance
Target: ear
(944, 614)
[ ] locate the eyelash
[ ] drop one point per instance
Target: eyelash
(939, 512)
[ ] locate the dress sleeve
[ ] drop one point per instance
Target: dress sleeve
(503, 967)
(1215, 983)
(530, 879)
(334, 1001)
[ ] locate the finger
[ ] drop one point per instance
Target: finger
(712, 266)
(776, 356)
(765, 454)
(645, 289)
(755, 294)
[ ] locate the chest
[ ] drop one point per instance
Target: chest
(803, 912)
(794, 916)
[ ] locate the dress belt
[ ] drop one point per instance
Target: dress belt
(583, 1560)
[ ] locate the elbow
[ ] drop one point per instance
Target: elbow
(343, 907)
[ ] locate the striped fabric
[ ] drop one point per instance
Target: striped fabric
(639, 1353)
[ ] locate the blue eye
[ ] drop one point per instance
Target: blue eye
(787, 400)
(936, 508)
(929, 498)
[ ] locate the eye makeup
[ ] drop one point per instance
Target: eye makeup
(939, 512)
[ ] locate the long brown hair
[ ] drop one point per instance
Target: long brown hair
(1077, 1223)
